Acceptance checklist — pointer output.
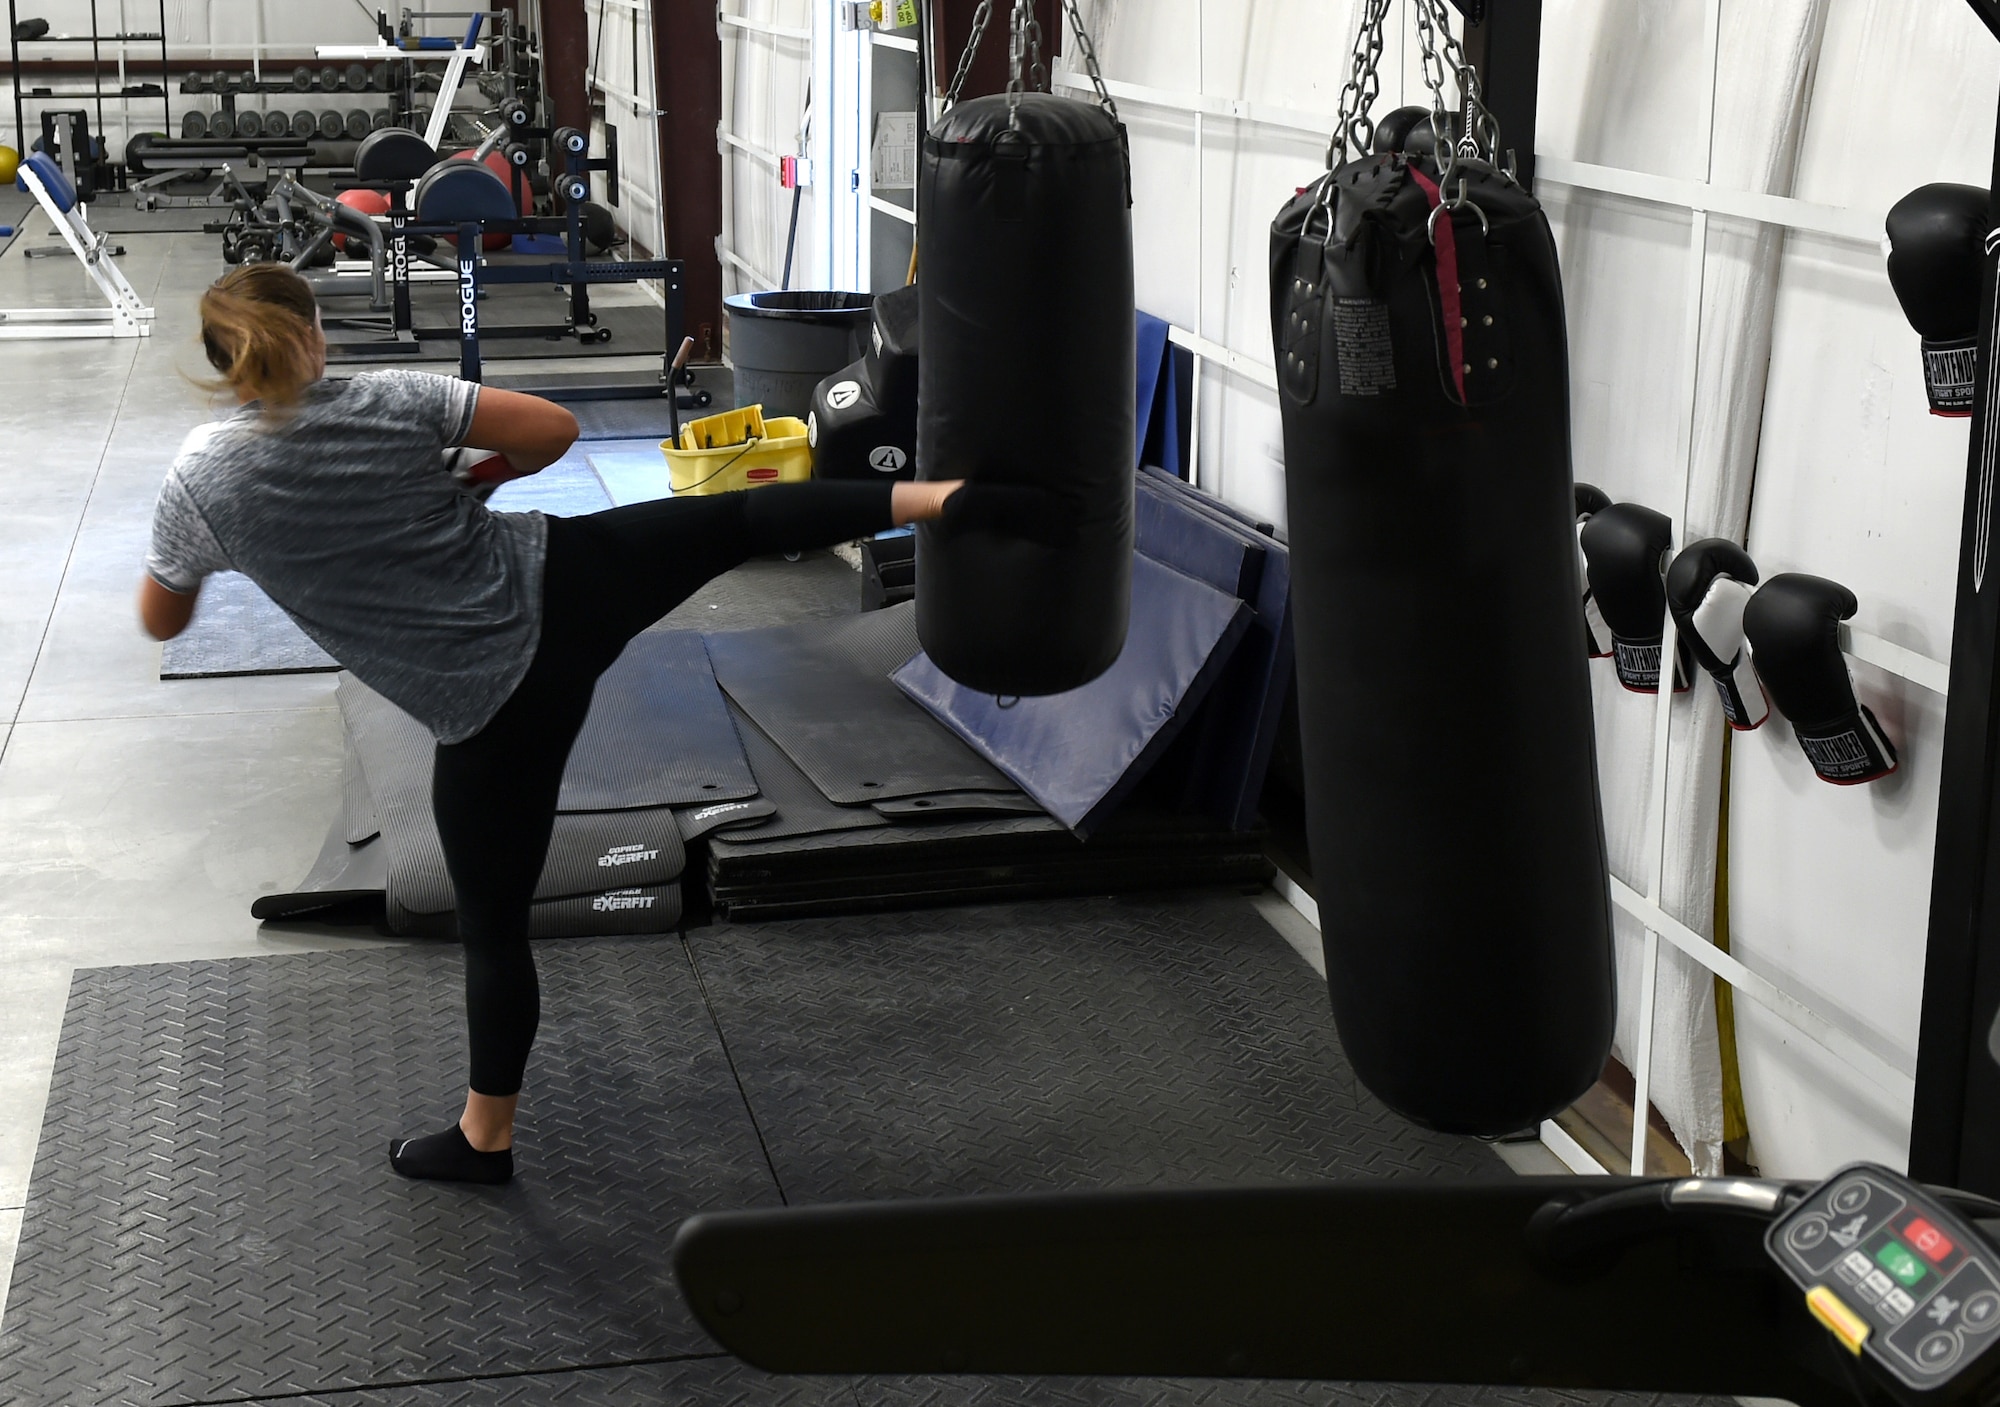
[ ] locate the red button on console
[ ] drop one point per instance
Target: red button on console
(1931, 1243)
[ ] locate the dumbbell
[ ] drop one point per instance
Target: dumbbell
(329, 79)
(195, 83)
(358, 124)
(332, 125)
(357, 78)
(571, 141)
(249, 123)
(380, 120)
(194, 125)
(518, 116)
(222, 124)
(304, 123)
(302, 79)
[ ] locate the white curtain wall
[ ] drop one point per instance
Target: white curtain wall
(1795, 423)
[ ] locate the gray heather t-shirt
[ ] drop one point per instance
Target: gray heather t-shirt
(344, 513)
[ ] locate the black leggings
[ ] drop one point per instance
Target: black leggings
(609, 576)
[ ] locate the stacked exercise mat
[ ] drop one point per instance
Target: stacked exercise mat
(823, 765)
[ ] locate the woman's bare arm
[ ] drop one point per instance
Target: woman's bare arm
(531, 432)
(165, 613)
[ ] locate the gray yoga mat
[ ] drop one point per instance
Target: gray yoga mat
(821, 691)
(588, 852)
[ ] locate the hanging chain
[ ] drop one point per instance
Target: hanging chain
(1017, 58)
(1428, 23)
(1090, 65)
(1480, 136)
(1354, 130)
(981, 18)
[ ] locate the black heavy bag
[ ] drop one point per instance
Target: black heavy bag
(1026, 379)
(1451, 776)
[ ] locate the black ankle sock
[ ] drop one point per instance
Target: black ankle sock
(448, 1157)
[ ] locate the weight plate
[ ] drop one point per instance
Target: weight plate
(358, 125)
(332, 125)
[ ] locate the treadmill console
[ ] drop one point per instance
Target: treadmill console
(1906, 1285)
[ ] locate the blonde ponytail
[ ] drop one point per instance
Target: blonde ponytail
(259, 329)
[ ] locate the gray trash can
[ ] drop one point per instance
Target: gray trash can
(785, 344)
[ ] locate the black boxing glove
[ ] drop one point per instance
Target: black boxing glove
(1708, 586)
(1937, 254)
(1596, 634)
(1793, 625)
(1625, 547)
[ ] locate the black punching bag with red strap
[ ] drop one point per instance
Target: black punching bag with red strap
(1026, 314)
(1451, 776)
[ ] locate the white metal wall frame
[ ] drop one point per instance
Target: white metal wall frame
(1894, 1075)
(741, 34)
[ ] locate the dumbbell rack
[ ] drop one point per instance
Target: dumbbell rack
(304, 82)
(96, 92)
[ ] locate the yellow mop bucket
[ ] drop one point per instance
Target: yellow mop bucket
(738, 449)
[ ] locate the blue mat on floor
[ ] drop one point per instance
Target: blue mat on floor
(1080, 753)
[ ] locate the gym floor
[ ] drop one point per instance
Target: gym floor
(138, 819)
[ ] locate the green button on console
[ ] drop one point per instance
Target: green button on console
(1897, 1260)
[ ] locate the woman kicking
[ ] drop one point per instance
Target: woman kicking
(489, 628)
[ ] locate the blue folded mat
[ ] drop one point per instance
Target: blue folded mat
(1231, 746)
(1080, 753)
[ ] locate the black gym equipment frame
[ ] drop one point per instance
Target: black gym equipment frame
(1955, 1128)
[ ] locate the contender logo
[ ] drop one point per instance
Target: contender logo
(626, 855)
(622, 899)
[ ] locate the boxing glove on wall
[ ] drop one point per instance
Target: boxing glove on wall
(1936, 256)
(1625, 547)
(1708, 586)
(1793, 625)
(1596, 634)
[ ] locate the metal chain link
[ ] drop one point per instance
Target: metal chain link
(1354, 129)
(1017, 53)
(1481, 131)
(1090, 64)
(981, 18)
(1434, 77)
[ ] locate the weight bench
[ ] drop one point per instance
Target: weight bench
(126, 314)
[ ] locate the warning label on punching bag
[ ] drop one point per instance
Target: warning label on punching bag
(1361, 342)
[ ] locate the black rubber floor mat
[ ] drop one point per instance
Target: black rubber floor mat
(588, 851)
(236, 629)
(688, 1382)
(351, 882)
(212, 1216)
(957, 805)
(822, 692)
(801, 808)
(768, 591)
(1222, 1392)
(658, 733)
(1044, 1047)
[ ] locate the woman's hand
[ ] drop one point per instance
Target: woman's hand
(921, 503)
